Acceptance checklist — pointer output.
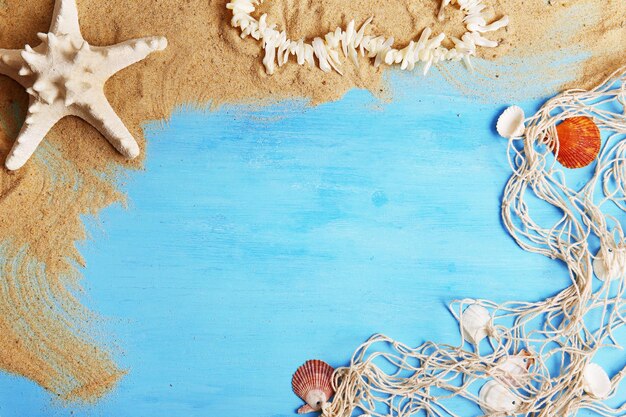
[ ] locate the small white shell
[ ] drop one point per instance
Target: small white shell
(515, 369)
(596, 382)
(511, 123)
(610, 263)
(602, 266)
(497, 399)
(475, 322)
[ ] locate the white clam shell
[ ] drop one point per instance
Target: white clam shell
(610, 263)
(602, 266)
(515, 369)
(596, 382)
(495, 398)
(475, 321)
(511, 123)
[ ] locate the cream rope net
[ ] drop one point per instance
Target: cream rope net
(558, 337)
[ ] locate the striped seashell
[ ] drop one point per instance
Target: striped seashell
(579, 142)
(312, 382)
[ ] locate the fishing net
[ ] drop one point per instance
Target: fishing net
(538, 357)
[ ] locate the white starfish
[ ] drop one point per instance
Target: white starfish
(65, 76)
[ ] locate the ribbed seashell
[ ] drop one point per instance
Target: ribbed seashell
(475, 323)
(596, 382)
(495, 398)
(511, 123)
(312, 382)
(610, 263)
(514, 369)
(579, 142)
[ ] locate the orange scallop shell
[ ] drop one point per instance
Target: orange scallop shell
(313, 375)
(579, 142)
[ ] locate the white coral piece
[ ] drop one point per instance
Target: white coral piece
(427, 51)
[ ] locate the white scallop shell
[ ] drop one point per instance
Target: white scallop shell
(596, 382)
(610, 263)
(497, 399)
(475, 322)
(511, 123)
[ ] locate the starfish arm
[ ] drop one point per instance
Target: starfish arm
(39, 120)
(125, 54)
(65, 18)
(101, 115)
(13, 65)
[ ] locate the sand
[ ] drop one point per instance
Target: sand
(45, 333)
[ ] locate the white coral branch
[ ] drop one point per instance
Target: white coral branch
(427, 51)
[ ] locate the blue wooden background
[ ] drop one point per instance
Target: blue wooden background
(259, 238)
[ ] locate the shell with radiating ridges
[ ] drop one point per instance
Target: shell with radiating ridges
(579, 142)
(596, 382)
(511, 123)
(312, 382)
(495, 398)
(475, 321)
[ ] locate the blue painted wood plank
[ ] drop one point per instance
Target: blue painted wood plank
(257, 239)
